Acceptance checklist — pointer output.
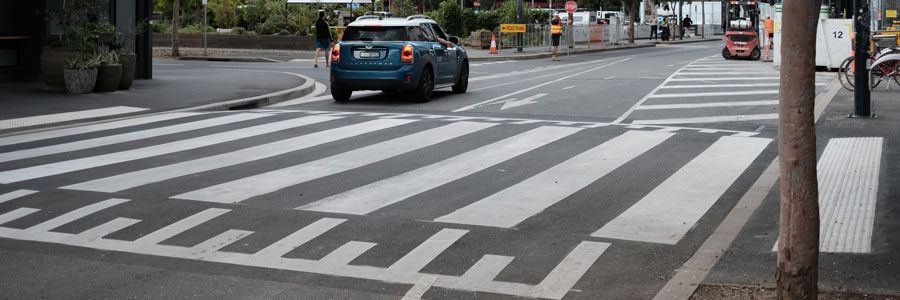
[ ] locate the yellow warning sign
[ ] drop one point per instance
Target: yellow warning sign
(890, 13)
(512, 27)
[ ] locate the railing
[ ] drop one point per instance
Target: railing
(538, 35)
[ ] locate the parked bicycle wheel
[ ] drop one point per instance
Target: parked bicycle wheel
(847, 75)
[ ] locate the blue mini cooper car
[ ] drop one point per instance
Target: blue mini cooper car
(397, 54)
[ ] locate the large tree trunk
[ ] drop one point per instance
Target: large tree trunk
(175, 16)
(798, 244)
(632, 5)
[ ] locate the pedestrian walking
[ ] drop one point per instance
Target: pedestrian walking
(685, 23)
(654, 24)
(555, 33)
(770, 31)
(323, 40)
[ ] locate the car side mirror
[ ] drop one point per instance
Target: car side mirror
(454, 40)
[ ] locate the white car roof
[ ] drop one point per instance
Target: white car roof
(411, 21)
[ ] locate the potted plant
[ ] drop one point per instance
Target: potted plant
(109, 72)
(80, 74)
(127, 56)
(71, 40)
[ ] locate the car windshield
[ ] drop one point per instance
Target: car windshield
(375, 33)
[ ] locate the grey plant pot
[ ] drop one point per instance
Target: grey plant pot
(128, 62)
(108, 78)
(80, 81)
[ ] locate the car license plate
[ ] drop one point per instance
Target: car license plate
(369, 54)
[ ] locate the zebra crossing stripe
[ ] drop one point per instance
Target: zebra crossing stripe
(298, 238)
(714, 79)
(17, 214)
(366, 199)
(43, 135)
(670, 210)
(348, 252)
(715, 119)
(147, 176)
(51, 169)
(710, 94)
(419, 257)
(15, 195)
(75, 215)
(488, 267)
(182, 225)
(245, 188)
(125, 137)
(533, 195)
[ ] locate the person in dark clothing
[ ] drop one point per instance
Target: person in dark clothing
(323, 40)
(685, 23)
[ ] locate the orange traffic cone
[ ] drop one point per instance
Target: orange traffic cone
(493, 45)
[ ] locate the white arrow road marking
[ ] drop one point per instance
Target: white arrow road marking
(476, 105)
(516, 103)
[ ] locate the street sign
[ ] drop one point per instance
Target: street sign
(512, 27)
(571, 6)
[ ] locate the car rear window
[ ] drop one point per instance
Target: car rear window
(375, 33)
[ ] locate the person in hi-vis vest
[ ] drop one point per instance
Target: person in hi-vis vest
(770, 31)
(556, 31)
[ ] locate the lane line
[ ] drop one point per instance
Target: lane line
(418, 290)
(709, 104)
(476, 105)
(152, 175)
(127, 137)
(63, 167)
(423, 254)
(714, 79)
(68, 116)
(311, 97)
(671, 209)
(691, 86)
(15, 195)
(374, 196)
(564, 276)
(248, 187)
(715, 119)
(529, 197)
(43, 135)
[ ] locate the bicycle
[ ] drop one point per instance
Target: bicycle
(884, 62)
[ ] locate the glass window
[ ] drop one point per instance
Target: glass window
(378, 33)
(428, 33)
(417, 34)
(438, 31)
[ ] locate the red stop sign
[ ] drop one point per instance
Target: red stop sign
(571, 6)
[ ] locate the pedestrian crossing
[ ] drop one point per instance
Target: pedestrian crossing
(254, 158)
(714, 90)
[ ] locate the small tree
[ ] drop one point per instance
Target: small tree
(449, 15)
(225, 12)
(175, 8)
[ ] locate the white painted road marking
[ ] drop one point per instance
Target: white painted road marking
(714, 94)
(69, 116)
(15, 195)
(366, 199)
(299, 238)
(708, 104)
(519, 202)
(245, 188)
(147, 176)
(75, 215)
(516, 103)
(180, 226)
(43, 135)
(716, 119)
(135, 154)
(418, 290)
(419, 257)
(126, 137)
(671, 209)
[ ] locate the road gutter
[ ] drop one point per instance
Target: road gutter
(694, 271)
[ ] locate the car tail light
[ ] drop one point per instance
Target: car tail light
(406, 56)
(336, 54)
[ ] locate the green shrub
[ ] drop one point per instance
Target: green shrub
(160, 27)
(238, 30)
(196, 28)
(449, 15)
(273, 25)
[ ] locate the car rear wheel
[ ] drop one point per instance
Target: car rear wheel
(426, 86)
(340, 94)
(462, 81)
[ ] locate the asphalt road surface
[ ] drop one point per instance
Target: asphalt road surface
(595, 177)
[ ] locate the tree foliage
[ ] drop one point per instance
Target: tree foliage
(449, 15)
(224, 12)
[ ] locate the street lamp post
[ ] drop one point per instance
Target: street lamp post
(204, 28)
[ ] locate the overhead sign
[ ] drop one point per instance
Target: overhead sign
(571, 6)
(512, 27)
